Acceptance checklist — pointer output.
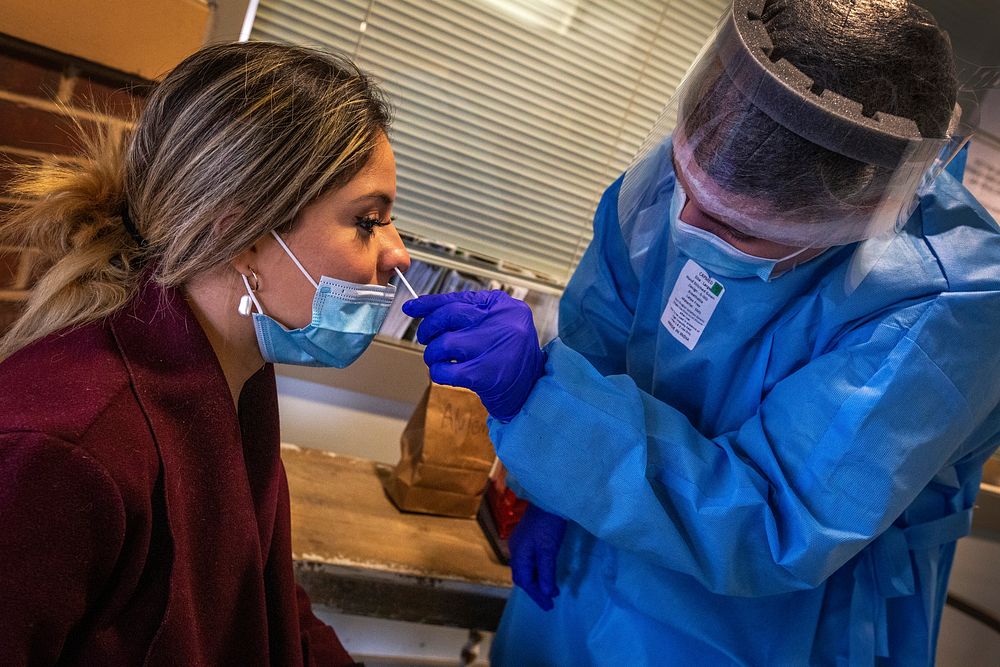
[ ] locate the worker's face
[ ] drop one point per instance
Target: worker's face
(696, 216)
(345, 234)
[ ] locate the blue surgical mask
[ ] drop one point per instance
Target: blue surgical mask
(345, 318)
(712, 253)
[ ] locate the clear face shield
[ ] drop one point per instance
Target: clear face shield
(973, 35)
(765, 150)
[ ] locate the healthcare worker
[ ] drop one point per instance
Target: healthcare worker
(762, 427)
(144, 508)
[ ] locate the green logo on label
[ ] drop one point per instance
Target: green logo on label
(717, 289)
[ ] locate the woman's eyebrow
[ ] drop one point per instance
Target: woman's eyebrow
(378, 196)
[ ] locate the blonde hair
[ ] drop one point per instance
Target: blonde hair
(233, 143)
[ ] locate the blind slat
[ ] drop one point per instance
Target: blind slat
(511, 117)
(556, 82)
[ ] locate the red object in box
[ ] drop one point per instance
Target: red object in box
(506, 508)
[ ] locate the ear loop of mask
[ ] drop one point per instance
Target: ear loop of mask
(294, 259)
(253, 297)
(284, 246)
(792, 256)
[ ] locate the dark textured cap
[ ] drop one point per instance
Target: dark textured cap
(794, 101)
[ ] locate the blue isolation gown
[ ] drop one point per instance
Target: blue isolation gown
(787, 492)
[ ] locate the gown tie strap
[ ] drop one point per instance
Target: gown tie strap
(884, 570)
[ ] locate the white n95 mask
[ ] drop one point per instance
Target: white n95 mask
(713, 253)
(345, 318)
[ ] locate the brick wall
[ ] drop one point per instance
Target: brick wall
(41, 92)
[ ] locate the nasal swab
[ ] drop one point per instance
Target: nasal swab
(406, 283)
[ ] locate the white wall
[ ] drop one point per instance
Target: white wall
(323, 417)
(378, 642)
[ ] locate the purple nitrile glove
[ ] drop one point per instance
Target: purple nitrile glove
(534, 551)
(483, 341)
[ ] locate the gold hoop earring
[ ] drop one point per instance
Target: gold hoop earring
(247, 301)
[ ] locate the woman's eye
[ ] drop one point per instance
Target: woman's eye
(370, 222)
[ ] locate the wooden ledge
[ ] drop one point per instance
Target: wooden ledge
(357, 553)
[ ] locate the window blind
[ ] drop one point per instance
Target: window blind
(512, 116)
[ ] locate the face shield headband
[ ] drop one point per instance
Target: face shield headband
(786, 184)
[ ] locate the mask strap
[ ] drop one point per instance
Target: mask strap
(794, 254)
(294, 259)
(253, 297)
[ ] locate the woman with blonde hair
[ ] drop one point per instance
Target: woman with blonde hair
(244, 221)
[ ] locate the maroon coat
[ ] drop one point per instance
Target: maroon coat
(141, 520)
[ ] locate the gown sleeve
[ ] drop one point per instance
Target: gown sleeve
(836, 452)
(62, 526)
(598, 306)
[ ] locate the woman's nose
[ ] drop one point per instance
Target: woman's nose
(392, 255)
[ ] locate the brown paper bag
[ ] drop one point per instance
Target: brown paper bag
(446, 455)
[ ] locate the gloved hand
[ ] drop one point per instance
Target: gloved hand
(534, 550)
(490, 337)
